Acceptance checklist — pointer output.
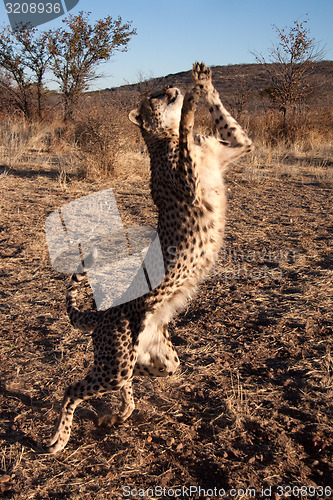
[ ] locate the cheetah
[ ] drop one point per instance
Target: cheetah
(188, 190)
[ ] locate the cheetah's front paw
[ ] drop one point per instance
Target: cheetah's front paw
(202, 77)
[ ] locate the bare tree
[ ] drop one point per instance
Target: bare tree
(79, 48)
(18, 86)
(36, 59)
(6, 101)
(23, 58)
(288, 66)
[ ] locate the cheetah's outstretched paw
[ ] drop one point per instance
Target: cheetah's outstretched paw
(202, 76)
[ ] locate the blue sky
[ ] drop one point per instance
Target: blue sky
(171, 35)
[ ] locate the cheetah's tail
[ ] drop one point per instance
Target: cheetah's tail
(83, 320)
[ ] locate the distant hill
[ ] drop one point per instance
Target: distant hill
(232, 80)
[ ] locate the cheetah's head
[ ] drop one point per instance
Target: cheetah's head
(160, 112)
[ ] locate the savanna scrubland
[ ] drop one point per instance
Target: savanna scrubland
(251, 405)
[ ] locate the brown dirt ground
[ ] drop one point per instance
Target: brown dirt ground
(251, 406)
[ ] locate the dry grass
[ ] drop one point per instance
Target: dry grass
(305, 129)
(250, 406)
(102, 142)
(267, 163)
(303, 151)
(18, 138)
(251, 403)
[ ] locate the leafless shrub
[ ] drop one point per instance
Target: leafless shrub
(101, 133)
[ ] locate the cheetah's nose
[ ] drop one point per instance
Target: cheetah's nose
(172, 93)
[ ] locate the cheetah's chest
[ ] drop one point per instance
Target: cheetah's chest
(190, 238)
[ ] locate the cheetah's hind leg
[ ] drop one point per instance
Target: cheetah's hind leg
(64, 423)
(94, 384)
(126, 409)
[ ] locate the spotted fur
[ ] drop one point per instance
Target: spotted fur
(188, 189)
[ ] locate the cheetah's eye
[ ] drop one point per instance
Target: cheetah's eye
(156, 95)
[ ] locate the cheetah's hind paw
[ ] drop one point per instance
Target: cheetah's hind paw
(109, 421)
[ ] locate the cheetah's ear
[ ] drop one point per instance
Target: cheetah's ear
(135, 117)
